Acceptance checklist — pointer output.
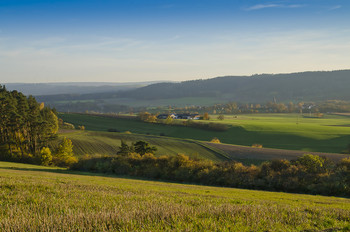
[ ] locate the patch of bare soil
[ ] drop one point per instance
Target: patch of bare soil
(64, 131)
(342, 114)
(241, 152)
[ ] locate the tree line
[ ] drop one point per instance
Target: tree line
(152, 118)
(315, 108)
(26, 127)
(100, 106)
(309, 174)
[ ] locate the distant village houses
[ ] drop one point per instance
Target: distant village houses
(179, 116)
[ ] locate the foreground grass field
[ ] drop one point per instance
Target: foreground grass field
(35, 198)
(284, 131)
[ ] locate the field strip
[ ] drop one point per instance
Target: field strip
(242, 152)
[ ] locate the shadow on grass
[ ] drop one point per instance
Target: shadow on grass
(62, 171)
(108, 175)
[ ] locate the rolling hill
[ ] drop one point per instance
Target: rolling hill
(123, 97)
(73, 89)
(303, 86)
(107, 143)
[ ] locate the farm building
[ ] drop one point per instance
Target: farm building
(179, 116)
(165, 116)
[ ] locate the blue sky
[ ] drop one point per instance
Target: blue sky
(134, 40)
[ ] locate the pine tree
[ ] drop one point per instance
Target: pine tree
(124, 148)
(142, 147)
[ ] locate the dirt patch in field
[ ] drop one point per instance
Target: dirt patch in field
(341, 114)
(247, 153)
(340, 125)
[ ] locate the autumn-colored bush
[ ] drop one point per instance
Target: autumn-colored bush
(308, 174)
(215, 140)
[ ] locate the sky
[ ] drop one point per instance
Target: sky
(175, 40)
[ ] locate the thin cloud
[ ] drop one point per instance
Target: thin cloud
(335, 7)
(264, 6)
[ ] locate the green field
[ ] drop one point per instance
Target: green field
(36, 198)
(284, 131)
(107, 143)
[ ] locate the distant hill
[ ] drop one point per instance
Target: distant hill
(73, 88)
(121, 97)
(304, 86)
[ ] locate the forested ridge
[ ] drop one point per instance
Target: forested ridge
(311, 86)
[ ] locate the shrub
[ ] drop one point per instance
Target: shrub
(345, 163)
(279, 165)
(45, 156)
(312, 163)
(147, 117)
(307, 174)
(64, 155)
(221, 117)
(215, 140)
(65, 125)
(169, 120)
(206, 116)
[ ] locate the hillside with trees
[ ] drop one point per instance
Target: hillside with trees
(329, 88)
(310, 86)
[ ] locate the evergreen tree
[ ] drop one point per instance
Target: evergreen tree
(142, 147)
(124, 148)
(25, 125)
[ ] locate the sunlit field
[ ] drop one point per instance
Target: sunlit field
(284, 131)
(35, 198)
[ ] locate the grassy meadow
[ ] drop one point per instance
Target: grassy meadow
(36, 198)
(283, 131)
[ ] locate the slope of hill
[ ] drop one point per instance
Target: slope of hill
(37, 198)
(304, 86)
(107, 143)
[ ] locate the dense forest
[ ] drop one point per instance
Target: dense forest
(26, 126)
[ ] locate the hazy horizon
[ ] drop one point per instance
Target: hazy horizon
(138, 41)
(158, 81)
